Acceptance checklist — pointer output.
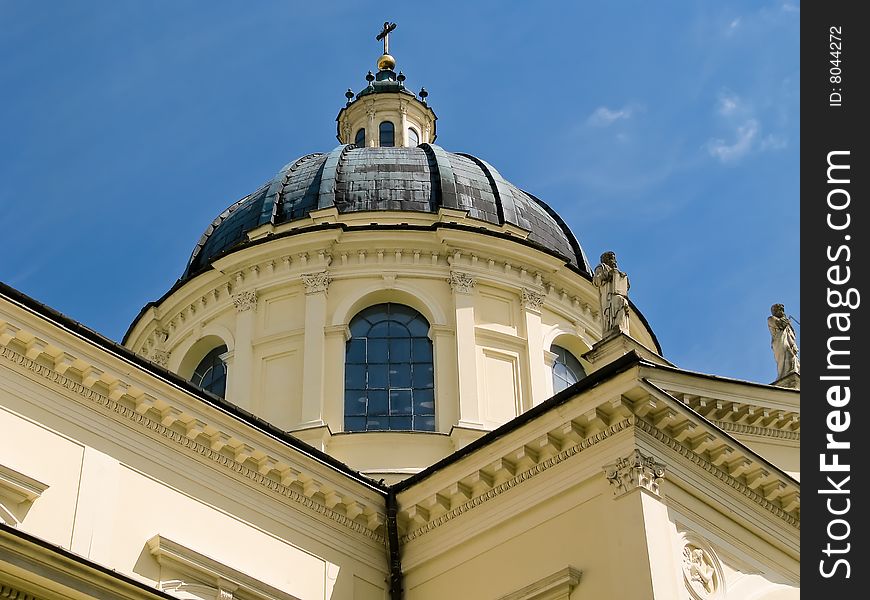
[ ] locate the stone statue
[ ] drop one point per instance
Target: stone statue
(783, 342)
(613, 288)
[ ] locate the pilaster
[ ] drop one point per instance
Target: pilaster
(316, 286)
(462, 285)
(239, 383)
(335, 340)
(532, 302)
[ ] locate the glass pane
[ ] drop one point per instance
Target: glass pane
(381, 330)
(359, 327)
(378, 404)
(400, 375)
(355, 424)
(424, 402)
(360, 139)
(422, 350)
(400, 350)
(401, 313)
(376, 313)
(424, 375)
(387, 135)
(355, 377)
(399, 330)
(413, 138)
(400, 402)
(424, 423)
(356, 351)
(400, 423)
(355, 403)
(419, 327)
(378, 350)
(377, 423)
(378, 376)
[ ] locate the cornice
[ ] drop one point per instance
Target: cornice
(180, 311)
(495, 491)
(231, 450)
(532, 453)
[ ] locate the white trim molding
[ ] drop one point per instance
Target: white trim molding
(17, 493)
(557, 586)
(224, 582)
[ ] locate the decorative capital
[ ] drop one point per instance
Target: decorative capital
(245, 300)
(316, 283)
(532, 300)
(634, 471)
(460, 283)
(160, 357)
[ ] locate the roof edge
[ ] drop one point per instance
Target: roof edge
(103, 343)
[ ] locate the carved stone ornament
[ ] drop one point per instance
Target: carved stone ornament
(160, 357)
(460, 283)
(245, 300)
(633, 472)
(532, 300)
(702, 572)
(316, 283)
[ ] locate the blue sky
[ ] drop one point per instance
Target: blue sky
(667, 132)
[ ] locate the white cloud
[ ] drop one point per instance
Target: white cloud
(604, 117)
(744, 137)
(728, 104)
(789, 7)
(734, 24)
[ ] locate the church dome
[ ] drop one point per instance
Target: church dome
(424, 178)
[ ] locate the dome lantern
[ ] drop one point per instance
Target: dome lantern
(384, 113)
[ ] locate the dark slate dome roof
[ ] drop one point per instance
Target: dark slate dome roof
(420, 179)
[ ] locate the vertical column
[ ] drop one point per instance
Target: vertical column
(532, 303)
(462, 285)
(241, 370)
(316, 285)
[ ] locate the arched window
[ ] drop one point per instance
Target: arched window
(389, 377)
(211, 373)
(567, 370)
(413, 138)
(360, 139)
(387, 134)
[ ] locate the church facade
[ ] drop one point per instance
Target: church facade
(387, 373)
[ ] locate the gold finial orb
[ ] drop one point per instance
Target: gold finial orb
(386, 62)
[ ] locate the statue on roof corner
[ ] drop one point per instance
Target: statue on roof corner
(783, 342)
(613, 288)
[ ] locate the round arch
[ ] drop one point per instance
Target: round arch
(195, 350)
(569, 339)
(381, 294)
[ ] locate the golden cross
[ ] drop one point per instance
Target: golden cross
(385, 35)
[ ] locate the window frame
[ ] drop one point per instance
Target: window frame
(392, 127)
(389, 371)
(214, 358)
